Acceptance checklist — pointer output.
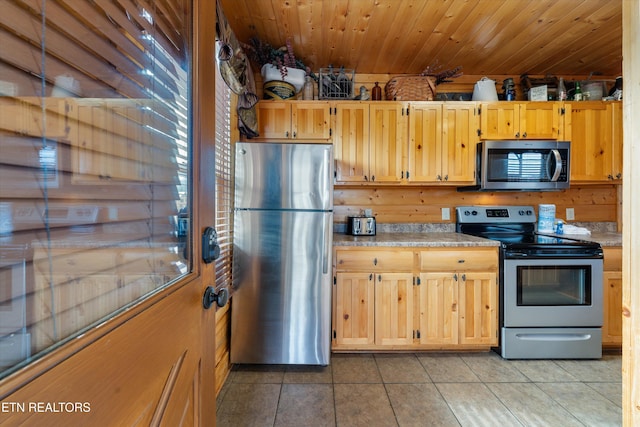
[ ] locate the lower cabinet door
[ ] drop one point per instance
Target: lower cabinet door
(438, 293)
(478, 308)
(354, 309)
(394, 309)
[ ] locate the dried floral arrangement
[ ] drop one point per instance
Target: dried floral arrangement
(262, 53)
(445, 76)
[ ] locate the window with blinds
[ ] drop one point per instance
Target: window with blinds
(224, 182)
(94, 182)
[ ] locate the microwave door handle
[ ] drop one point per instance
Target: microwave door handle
(558, 169)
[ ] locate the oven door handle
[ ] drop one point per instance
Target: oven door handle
(558, 160)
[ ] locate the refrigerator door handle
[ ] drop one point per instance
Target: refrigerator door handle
(326, 251)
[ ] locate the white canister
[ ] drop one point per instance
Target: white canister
(546, 218)
(485, 90)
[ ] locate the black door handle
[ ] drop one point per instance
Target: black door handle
(210, 296)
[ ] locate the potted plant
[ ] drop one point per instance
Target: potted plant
(278, 63)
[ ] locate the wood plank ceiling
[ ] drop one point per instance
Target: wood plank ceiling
(535, 37)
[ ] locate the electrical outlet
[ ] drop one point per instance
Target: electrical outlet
(571, 215)
(446, 214)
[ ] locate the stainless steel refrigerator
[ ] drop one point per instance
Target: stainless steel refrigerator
(283, 228)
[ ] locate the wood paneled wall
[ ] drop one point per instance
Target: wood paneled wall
(592, 203)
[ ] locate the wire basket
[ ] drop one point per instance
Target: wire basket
(336, 83)
(411, 88)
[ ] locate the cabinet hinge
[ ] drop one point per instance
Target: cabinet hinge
(407, 111)
(418, 281)
(407, 174)
(334, 334)
(562, 111)
(335, 281)
(479, 110)
(479, 132)
(330, 132)
(418, 334)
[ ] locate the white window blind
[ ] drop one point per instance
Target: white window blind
(224, 182)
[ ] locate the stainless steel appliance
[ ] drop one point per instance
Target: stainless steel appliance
(283, 232)
(361, 225)
(550, 287)
(521, 165)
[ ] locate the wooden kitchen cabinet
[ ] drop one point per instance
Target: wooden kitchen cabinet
(442, 142)
(370, 141)
(520, 120)
(373, 299)
(351, 142)
(595, 131)
(458, 296)
(612, 297)
(298, 120)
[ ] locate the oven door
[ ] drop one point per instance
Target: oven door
(552, 292)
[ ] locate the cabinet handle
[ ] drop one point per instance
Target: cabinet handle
(371, 276)
(619, 175)
(518, 135)
(464, 277)
(446, 177)
(375, 261)
(460, 261)
(379, 278)
(455, 277)
(294, 134)
(609, 176)
(439, 177)
(524, 135)
(373, 177)
(286, 134)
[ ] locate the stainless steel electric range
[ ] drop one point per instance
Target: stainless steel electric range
(550, 287)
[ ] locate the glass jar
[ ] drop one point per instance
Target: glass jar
(307, 90)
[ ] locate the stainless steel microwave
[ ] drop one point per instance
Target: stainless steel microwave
(521, 165)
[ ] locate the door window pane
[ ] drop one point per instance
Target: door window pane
(94, 165)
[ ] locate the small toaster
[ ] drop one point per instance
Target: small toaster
(361, 225)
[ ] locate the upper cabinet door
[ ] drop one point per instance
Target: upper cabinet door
(425, 142)
(595, 131)
(459, 139)
(499, 120)
(351, 142)
(388, 124)
(520, 120)
(540, 120)
(310, 120)
(274, 119)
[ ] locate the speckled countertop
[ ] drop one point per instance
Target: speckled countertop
(443, 235)
(413, 239)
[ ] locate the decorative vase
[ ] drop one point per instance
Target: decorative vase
(295, 76)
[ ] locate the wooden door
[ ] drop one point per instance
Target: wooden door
(499, 120)
(478, 308)
(460, 125)
(425, 142)
(591, 135)
(438, 302)
(310, 120)
(351, 141)
(393, 309)
(388, 140)
(274, 120)
(151, 362)
(354, 315)
(540, 120)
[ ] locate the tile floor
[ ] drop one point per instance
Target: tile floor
(425, 389)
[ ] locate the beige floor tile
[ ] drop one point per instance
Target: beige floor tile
(490, 367)
(355, 368)
(543, 371)
(364, 405)
(401, 368)
(445, 367)
(258, 374)
(303, 374)
(612, 391)
(249, 405)
(419, 405)
(532, 406)
(306, 405)
(474, 404)
(587, 405)
(607, 369)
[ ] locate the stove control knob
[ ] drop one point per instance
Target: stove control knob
(467, 213)
(521, 212)
(529, 212)
(474, 212)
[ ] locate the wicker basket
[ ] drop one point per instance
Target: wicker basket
(411, 88)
